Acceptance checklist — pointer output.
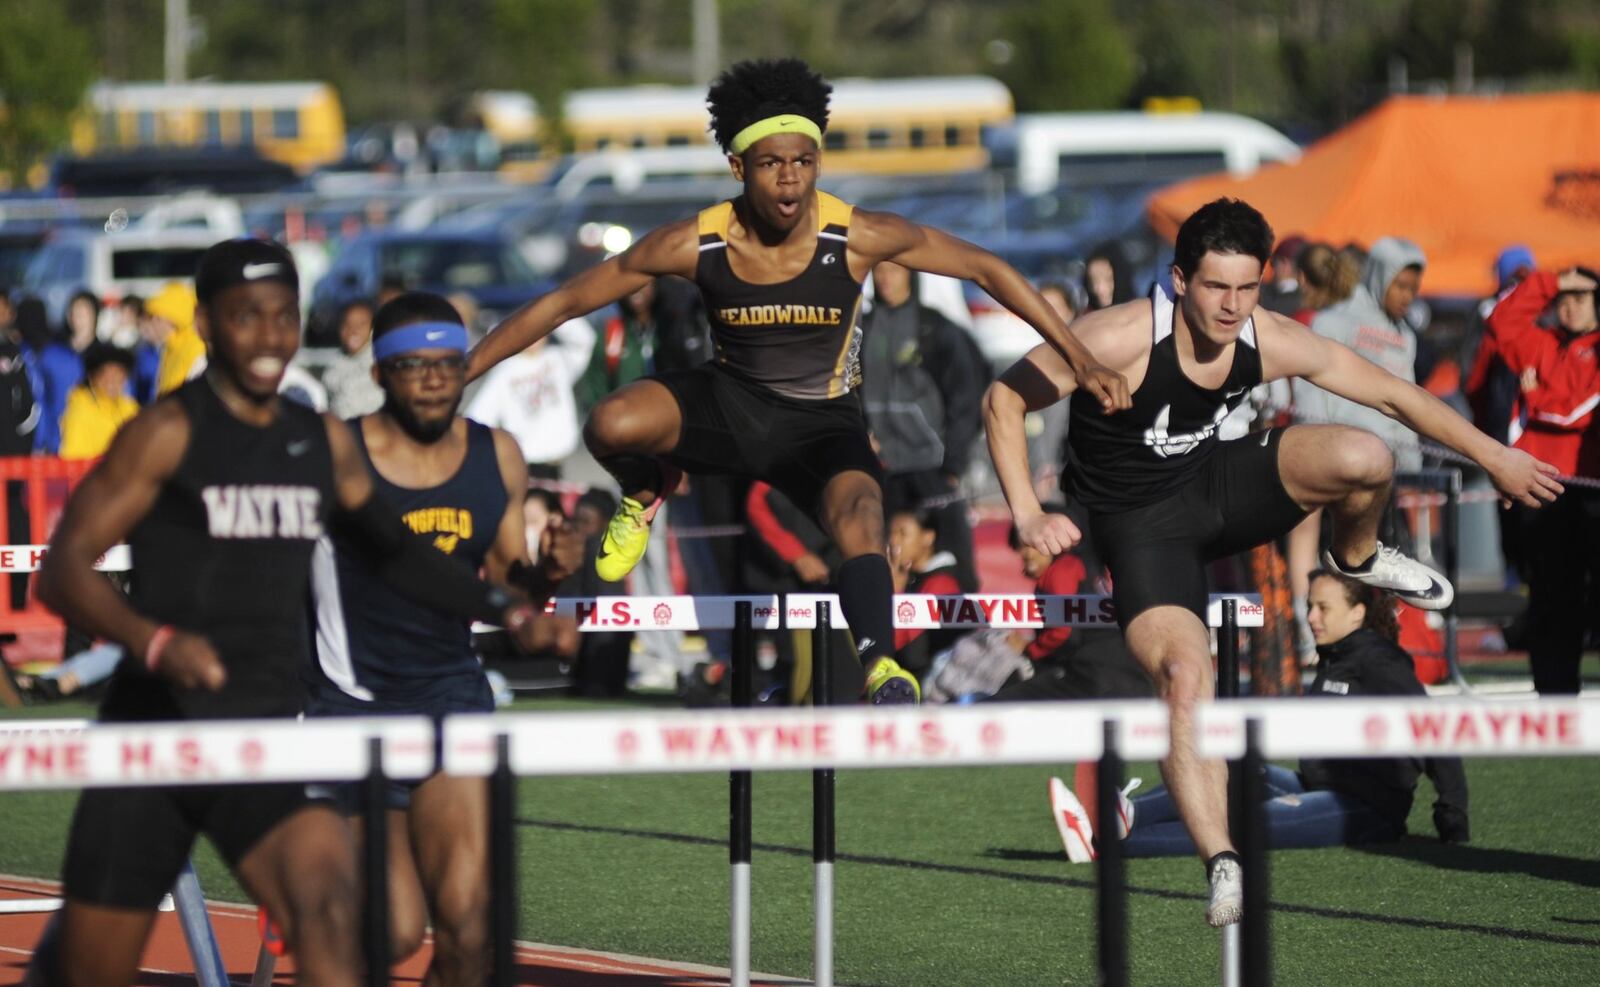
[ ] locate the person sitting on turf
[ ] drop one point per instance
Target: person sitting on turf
(1330, 802)
(920, 565)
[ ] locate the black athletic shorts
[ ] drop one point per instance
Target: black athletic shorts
(1158, 553)
(735, 427)
(128, 845)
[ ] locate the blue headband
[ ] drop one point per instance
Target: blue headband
(420, 336)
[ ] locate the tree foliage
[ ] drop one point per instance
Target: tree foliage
(1067, 55)
(45, 63)
(1315, 63)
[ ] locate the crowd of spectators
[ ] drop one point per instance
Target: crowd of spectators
(1530, 378)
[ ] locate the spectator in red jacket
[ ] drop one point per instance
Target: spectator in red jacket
(1560, 374)
(1068, 662)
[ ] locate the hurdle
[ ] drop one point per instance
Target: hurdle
(57, 754)
(186, 898)
(504, 745)
(1252, 730)
(468, 753)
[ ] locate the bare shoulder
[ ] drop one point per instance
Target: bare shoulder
(1118, 336)
(508, 453)
(878, 235)
(1288, 347)
(672, 248)
(153, 443)
(341, 440)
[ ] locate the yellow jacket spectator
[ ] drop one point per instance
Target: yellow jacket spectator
(99, 406)
(183, 352)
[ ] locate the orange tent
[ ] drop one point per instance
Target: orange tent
(1463, 176)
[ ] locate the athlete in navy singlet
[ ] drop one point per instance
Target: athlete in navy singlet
(780, 268)
(1166, 496)
(222, 490)
(458, 487)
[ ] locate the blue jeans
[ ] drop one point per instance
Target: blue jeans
(1296, 820)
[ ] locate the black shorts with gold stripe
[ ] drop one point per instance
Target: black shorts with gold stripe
(732, 426)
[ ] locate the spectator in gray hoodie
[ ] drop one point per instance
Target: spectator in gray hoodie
(1372, 321)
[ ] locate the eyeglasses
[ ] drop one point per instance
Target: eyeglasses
(417, 367)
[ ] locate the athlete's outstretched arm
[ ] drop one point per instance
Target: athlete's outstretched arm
(508, 558)
(884, 236)
(670, 249)
(1038, 380)
(1289, 349)
(114, 497)
(410, 567)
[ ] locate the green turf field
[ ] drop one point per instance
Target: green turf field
(955, 877)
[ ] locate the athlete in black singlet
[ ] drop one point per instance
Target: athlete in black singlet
(780, 268)
(222, 490)
(459, 488)
(1165, 496)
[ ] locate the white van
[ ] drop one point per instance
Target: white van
(112, 265)
(1122, 147)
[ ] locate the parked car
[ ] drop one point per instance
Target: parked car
(483, 264)
(111, 265)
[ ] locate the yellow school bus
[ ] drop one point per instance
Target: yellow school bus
(894, 126)
(298, 123)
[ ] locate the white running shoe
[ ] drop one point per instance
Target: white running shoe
(1227, 894)
(1125, 808)
(1405, 577)
(1072, 822)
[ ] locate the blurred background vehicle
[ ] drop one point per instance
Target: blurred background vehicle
(300, 124)
(111, 266)
(483, 265)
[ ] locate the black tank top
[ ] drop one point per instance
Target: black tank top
(225, 553)
(372, 642)
(798, 337)
(1141, 455)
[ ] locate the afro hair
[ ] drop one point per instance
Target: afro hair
(754, 90)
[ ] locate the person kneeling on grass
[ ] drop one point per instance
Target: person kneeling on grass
(1327, 802)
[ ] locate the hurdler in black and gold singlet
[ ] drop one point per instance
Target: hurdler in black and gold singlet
(797, 337)
(776, 402)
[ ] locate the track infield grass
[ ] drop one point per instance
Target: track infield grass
(956, 877)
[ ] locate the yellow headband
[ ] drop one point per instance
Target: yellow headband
(783, 123)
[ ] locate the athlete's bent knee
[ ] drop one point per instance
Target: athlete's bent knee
(1364, 459)
(1181, 681)
(610, 428)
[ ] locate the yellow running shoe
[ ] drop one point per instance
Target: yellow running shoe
(890, 685)
(625, 538)
(624, 541)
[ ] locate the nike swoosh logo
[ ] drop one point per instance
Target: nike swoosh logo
(253, 271)
(1435, 590)
(1265, 438)
(435, 335)
(299, 447)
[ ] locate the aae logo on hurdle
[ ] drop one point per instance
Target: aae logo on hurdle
(1403, 727)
